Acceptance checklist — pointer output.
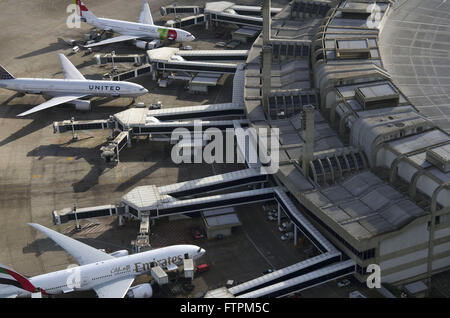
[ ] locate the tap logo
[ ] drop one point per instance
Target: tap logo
(165, 34)
(172, 35)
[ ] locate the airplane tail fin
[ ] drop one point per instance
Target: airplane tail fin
(83, 11)
(146, 15)
(12, 278)
(4, 74)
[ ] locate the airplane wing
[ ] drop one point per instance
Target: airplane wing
(69, 70)
(146, 15)
(120, 38)
(84, 254)
(53, 102)
(114, 289)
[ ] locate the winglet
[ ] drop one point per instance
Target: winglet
(10, 277)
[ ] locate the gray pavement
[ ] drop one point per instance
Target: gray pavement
(414, 46)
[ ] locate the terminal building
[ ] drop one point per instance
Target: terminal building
(372, 174)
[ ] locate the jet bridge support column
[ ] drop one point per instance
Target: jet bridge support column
(129, 138)
(295, 235)
(121, 220)
(279, 213)
(308, 135)
(266, 66)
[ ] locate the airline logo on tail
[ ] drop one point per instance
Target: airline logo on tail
(4, 74)
(81, 7)
(9, 277)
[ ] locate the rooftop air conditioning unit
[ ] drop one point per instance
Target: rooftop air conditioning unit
(377, 96)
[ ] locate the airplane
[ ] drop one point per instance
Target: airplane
(70, 90)
(143, 29)
(109, 275)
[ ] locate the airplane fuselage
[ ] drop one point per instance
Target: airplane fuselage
(86, 277)
(141, 30)
(58, 87)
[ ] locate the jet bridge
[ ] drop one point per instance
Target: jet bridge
(174, 9)
(74, 214)
(72, 125)
(187, 21)
(141, 122)
(219, 11)
(195, 67)
(239, 9)
(220, 182)
(190, 188)
(198, 112)
(214, 55)
(128, 58)
(173, 60)
(302, 282)
(233, 18)
(135, 122)
(111, 152)
(147, 199)
(166, 128)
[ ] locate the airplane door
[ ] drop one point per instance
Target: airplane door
(84, 282)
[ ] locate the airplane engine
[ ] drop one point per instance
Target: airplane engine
(120, 253)
(140, 291)
(142, 44)
(82, 105)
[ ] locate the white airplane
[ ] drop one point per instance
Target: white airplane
(70, 90)
(144, 29)
(110, 275)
